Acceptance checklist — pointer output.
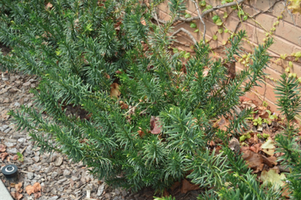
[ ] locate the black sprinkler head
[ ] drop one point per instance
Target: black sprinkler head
(10, 172)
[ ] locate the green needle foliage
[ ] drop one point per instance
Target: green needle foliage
(289, 101)
(112, 95)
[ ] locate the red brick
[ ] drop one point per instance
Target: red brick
(278, 8)
(266, 91)
(297, 69)
(280, 46)
(298, 20)
(250, 30)
(190, 6)
(289, 32)
(260, 4)
(231, 23)
(164, 6)
(164, 16)
(264, 20)
(249, 10)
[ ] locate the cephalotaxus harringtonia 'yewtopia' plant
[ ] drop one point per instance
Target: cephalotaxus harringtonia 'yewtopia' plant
(116, 98)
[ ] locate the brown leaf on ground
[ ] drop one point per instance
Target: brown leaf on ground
(255, 138)
(37, 195)
(211, 143)
(222, 124)
(254, 160)
(286, 192)
(268, 147)
(255, 148)
(270, 161)
(16, 195)
(141, 133)
(244, 99)
(155, 125)
(3, 156)
(37, 187)
(2, 148)
(123, 105)
(15, 157)
(165, 193)
(234, 144)
(18, 187)
(187, 186)
(114, 90)
(48, 6)
(143, 22)
(29, 189)
(175, 186)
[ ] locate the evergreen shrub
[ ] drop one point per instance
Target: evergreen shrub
(112, 95)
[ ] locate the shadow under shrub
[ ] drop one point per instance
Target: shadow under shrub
(116, 98)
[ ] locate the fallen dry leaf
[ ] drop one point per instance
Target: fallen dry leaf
(268, 147)
(175, 186)
(141, 133)
(16, 195)
(244, 99)
(255, 148)
(254, 160)
(37, 187)
(114, 90)
(155, 125)
(123, 105)
(222, 124)
(272, 177)
(18, 187)
(37, 195)
(48, 6)
(3, 156)
(29, 189)
(255, 138)
(15, 157)
(33, 189)
(234, 144)
(143, 22)
(187, 186)
(2, 148)
(270, 161)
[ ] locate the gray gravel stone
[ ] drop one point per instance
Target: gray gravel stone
(36, 158)
(100, 189)
(7, 130)
(54, 174)
(9, 144)
(12, 150)
(22, 140)
(53, 198)
(30, 175)
(58, 161)
(17, 104)
(66, 172)
(36, 167)
(4, 127)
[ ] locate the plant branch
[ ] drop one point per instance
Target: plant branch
(201, 18)
(187, 32)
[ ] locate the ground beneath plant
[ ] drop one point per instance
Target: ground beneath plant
(51, 176)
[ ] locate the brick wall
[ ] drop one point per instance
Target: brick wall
(287, 37)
